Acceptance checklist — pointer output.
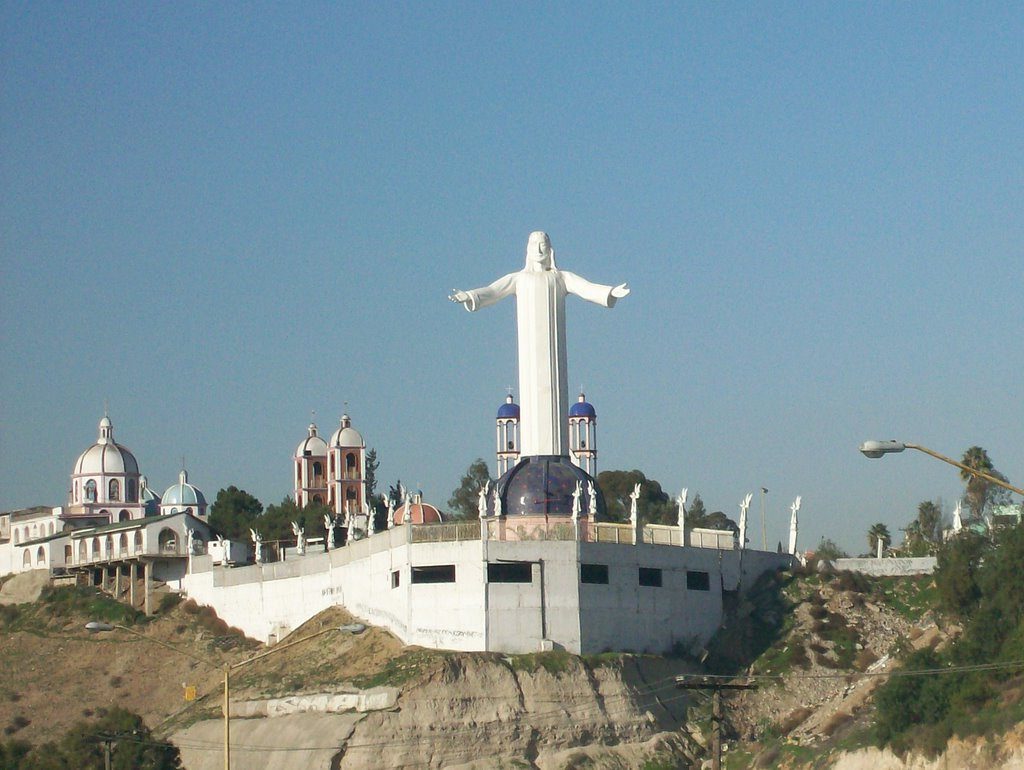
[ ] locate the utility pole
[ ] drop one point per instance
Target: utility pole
(764, 535)
(108, 744)
(716, 685)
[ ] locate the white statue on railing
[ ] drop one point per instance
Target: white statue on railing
(407, 517)
(681, 514)
(371, 521)
(744, 506)
(958, 521)
(391, 513)
(481, 504)
(300, 538)
(497, 503)
(576, 508)
(540, 289)
(189, 538)
(329, 529)
(591, 501)
(634, 517)
(257, 541)
(793, 525)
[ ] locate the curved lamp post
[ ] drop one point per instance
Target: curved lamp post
(875, 449)
(95, 626)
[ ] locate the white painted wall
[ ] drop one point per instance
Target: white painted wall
(267, 601)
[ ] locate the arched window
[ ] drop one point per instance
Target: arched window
(35, 531)
(50, 528)
(131, 491)
(17, 536)
(26, 559)
(168, 541)
(67, 554)
(83, 551)
(122, 544)
(332, 465)
(76, 498)
(124, 516)
(350, 466)
(90, 491)
(138, 541)
(40, 557)
(114, 490)
(95, 548)
(109, 546)
(318, 469)
(318, 499)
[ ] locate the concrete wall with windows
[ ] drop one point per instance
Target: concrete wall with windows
(519, 596)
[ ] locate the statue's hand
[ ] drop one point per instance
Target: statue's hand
(459, 296)
(620, 291)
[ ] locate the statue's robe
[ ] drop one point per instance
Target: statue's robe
(540, 320)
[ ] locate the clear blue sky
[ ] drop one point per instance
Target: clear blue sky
(219, 217)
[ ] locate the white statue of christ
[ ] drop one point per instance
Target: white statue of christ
(540, 290)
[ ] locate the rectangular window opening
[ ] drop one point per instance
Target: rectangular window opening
(396, 578)
(650, 576)
(698, 581)
(510, 572)
(594, 573)
(435, 573)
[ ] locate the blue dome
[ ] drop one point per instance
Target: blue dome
(183, 494)
(508, 410)
(582, 409)
(544, 485)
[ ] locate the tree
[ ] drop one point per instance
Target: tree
(234, 512)
(979, 492)
(878, 532)
(81, 748)
(827, 549)
(956, 572)
(929, 521)
(372, 464)
(653, 506)
(696, 513)
(464, 502)
(276, 521)
(924, 533)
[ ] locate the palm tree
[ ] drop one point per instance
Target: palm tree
(878, 532)
(976, 495)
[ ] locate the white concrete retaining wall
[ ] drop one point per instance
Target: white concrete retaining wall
(920, 565)
(373, 579)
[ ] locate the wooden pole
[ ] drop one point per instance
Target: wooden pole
(716, 729)
(716, 685)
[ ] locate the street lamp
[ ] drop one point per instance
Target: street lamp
(875, 449)
(95, 626)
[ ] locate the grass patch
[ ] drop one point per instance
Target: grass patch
(65, 602)
(400, 670)
(555, 662)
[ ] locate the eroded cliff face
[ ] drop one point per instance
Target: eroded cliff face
(1004, 752)
(474, 709)
(481, 711)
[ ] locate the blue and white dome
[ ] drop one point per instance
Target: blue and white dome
(509, 410)
(312, 445)
(346, 435)
(182, 496)
(106, 456)
(581, 408)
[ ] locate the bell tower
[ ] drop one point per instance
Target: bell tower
(507, 434)
(583, 435)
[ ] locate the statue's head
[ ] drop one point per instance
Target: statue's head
(539, 254)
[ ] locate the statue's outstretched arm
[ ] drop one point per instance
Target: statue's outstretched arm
(598, 293)
(474, 299)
